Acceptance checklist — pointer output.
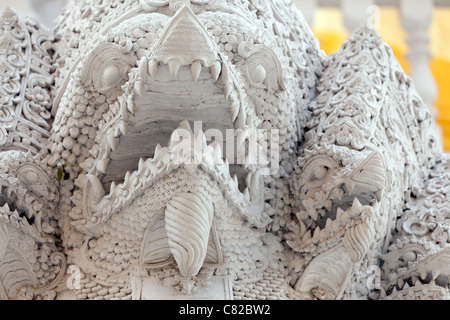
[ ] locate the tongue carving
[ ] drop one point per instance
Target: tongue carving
(188, 224)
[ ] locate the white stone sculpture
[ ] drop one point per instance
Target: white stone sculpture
(129, 167)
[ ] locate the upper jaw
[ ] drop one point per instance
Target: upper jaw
(334, 197)
(248, 204)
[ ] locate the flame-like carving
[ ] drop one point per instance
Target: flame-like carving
(188, 223)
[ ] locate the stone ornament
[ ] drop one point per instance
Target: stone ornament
(128, 163)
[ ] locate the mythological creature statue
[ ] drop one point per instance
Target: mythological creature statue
(345, 197)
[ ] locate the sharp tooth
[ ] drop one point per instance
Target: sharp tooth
(302, 228)
(102, 165)
(6, 207)
(139, 87)
(141, 164)
(217, 153)
(112, 142)
(423, 274)
(174, 66)
(339, 213)
(247, 193)
(235, 179)
(152, 68)
(234, 111)
(316, 235)
(227, 91)
(406, 286)
(379, 194)
(329, 222)
(9, 190)
(307, 236)
(97, 191)
(112, 188)
(157, 151)
(328, 205)
(127, 177)
(394, 290)
(255, 185)
(196, 68)
(248, 179)
(356, 204)
(322, 212)
(215, 70)
(400, 283)
(417, 283)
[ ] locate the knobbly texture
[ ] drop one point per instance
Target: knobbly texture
(100, 200)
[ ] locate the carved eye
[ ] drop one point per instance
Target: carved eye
(320, 172)
(111, 76)
(258, 74)
(106, 67)
(262, 66)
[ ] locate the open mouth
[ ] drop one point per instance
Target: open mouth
(334, 199)
(326, 229)
(421, 269)
(184, 78)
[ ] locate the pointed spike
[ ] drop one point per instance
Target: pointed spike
(153, 68)
(235, 108)
(329, 223)
(247, 193)
(302, 228)
(141, 163)
(112, 188)
(356, 205)
(216, 68)
(9, 190)
(307, 236)
(97, 191)
(417, 283)
(6, 207)
(196, 69)
(423, 274)
(227, 91)
(157, 151)
(112, 142)
(406, 286)
(127, 177)
(184, 124)
(248, 179)
(316, 235)
(339, 213)
(174, 66)
(102, 165)
(235, 179)
(217, 152)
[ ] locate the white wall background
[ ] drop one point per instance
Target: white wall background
(43, 10)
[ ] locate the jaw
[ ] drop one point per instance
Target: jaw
(338, 219)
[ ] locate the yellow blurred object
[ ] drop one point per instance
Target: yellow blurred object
(329, 29)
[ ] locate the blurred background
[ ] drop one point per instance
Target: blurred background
(417, 30)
